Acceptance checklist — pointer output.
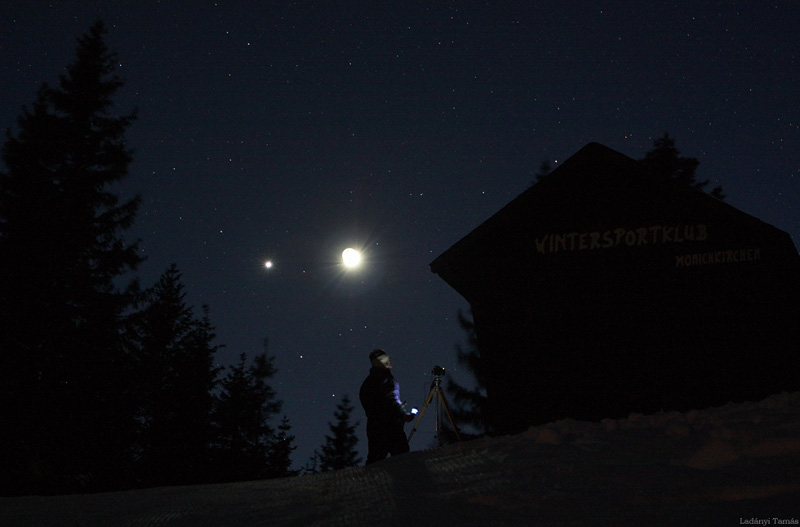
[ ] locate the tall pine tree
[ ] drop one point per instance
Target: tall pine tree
(66, 403)
(242, 435)
(279, 457)
(174, 368)
(469, 404)
(665, 161)
(339, 450)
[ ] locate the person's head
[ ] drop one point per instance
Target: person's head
(380, 359)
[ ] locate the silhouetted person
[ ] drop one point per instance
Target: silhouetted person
(386, 414)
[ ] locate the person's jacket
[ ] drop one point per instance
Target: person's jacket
(380, 397)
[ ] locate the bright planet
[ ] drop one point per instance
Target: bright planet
(351, 257)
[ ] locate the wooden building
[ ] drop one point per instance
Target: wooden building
(603, 290)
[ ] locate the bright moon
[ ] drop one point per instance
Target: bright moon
(268, 264)
(351, 257)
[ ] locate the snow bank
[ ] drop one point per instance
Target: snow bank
(711, 438)
(733, 465)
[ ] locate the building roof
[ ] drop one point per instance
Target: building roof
(604, 212)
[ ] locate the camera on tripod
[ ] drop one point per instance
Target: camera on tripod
(442, 409)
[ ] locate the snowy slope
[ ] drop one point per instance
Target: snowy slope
(734, 465)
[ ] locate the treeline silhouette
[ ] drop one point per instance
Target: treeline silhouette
(105, 384)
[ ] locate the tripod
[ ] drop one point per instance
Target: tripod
(441, 402)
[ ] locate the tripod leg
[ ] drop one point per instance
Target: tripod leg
(449, 416)
(421, 413)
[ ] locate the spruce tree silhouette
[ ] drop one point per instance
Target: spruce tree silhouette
(173, 363)
(664, 160)
(279, 458)
(66, 399)
(469, 405)
(339, 450)
(242, 433)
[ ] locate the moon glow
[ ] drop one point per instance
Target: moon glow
(351, 257)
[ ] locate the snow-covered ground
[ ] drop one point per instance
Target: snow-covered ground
(734, 465)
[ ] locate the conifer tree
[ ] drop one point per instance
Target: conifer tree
(174, 365)
(62, 367)
(339, 450)
(469, 405)
(312, 466)
(279, 458)
(242, 410)
(544, 171)
(664, 160)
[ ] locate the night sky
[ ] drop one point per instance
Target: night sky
(288, 131)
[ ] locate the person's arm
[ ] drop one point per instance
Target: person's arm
(400, 407)
(391, 397)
